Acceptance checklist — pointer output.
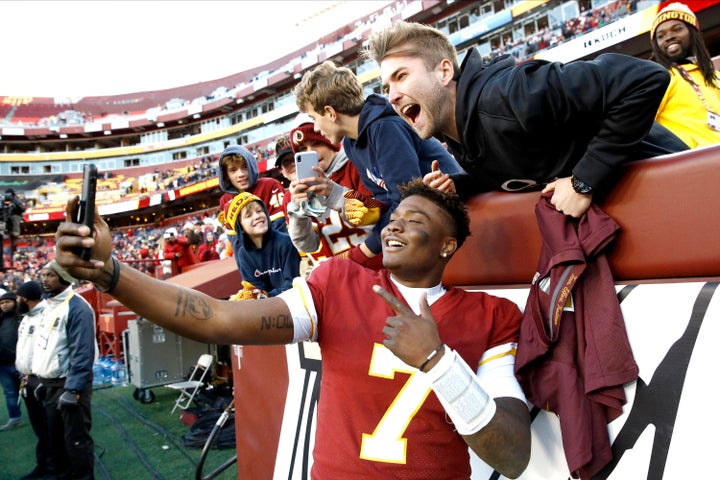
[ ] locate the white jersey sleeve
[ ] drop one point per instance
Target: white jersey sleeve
(302, 309)
(496, 372)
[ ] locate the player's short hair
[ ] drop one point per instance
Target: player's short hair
(449, 202)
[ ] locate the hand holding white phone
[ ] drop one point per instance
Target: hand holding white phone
(304, 161)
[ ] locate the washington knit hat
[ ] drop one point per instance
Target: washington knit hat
(233, 209)
(62, 273)
(30, 290)
(674, 11)
(306, 133)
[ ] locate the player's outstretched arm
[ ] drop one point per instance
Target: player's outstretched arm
(187, 312)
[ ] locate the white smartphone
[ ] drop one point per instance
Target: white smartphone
(304, 161)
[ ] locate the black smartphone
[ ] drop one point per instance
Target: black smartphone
(86, 207)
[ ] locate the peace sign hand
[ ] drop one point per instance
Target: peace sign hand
(410, 337)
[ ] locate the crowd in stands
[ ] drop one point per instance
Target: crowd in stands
(160, 180)
(142, 247)
(262, 152)
(588, 21)
(114, 187)
(30, 254)
(25, 263)
(203, 170)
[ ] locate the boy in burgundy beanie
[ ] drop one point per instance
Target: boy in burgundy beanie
(337, 198)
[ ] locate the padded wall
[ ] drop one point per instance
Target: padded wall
(668, 209)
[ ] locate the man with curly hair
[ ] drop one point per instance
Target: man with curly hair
(691, 105)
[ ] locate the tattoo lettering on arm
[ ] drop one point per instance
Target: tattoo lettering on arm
(189, 304)
(276, 321)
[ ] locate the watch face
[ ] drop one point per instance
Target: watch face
(580, 186)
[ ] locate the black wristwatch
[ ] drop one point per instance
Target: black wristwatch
(580, 187)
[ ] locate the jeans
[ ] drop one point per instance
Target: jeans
(10, 381)
(660, 141)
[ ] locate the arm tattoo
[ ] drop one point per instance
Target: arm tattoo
(193, 305)
(276, 321)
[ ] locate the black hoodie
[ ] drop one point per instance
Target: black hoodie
(537, 121)
(9, 322)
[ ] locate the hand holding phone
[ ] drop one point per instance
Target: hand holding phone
(304, 161)
(86, 206)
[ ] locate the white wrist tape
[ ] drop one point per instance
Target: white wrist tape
(460, 393)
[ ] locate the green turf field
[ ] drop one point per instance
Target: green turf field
(132, 440)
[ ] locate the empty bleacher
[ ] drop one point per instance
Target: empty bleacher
(33, 110)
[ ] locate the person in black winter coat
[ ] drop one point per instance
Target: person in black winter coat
(9, 376)
(565, 128)
(13, 209)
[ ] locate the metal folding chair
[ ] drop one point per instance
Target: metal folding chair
(188, 389)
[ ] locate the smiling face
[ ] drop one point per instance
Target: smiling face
(420, 96)
(254, 220)
(414, 241)
(237, 173)
(673, 38)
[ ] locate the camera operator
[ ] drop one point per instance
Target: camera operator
(13, 208)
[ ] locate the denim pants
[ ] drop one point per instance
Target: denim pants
(10, 381)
